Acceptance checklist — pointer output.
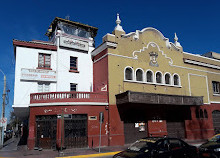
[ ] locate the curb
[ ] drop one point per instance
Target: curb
(92, 155)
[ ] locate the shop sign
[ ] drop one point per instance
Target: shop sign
(74, 43)
(38, 75)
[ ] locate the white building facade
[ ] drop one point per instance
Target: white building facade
(62, 64)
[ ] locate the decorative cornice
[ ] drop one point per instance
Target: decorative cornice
(102, 47)
(35, 44)
(201, 64)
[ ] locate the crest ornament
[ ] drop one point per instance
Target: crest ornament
(153, 59)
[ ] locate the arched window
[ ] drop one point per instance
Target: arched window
(129, 74)
(139, 75)
(205, 113)
(158, 77)
(197, 113)
(176, 80)
(167, 79)
(201, 113)
(149, 76)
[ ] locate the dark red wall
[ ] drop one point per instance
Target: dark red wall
(93, 125)
(100, 71)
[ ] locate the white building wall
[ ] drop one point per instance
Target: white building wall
(28, 58)
(83, 79)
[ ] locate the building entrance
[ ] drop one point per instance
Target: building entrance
(46, 131)
(216, 121)
(176, 129)
(134, 131)
(75, 130)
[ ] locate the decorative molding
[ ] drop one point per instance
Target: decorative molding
(152, 44)
(152, 83)
(190, 93)
(196, 55)
(215, 102)
(102, 47)
(201, 64)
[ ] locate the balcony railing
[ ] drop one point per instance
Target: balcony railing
(51, 97)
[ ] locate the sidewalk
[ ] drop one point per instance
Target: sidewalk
(11, 149)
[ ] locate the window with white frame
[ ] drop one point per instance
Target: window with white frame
(43, 87)
(149, 76)
(128, 74)
(176, 80)
(73, 87)
(139, 75)
(167, 78)
(216, 87)
(73, 63)
(158, 77)
(44, 61)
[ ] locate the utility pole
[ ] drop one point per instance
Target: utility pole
(3, 111)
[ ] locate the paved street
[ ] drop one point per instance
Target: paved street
(11, 149)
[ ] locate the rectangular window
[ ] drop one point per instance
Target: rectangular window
(73, 64)
(44, 61)
(43, 87)
(73, 87)
(216, 87)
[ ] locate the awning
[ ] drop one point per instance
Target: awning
(155, 98)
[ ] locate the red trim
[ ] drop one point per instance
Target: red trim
(44, 68)
(34, 45)
(74, 71)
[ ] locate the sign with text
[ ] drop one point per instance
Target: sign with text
(38, 75)
(74, 43)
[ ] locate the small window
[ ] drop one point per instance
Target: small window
(149, 76)
(43, 87)
(128, 74)
(176, 80)
(73, 63)
(158, 77)
(139, 75)
(205, 113)
(44, 61)
(197, 113)
(73, 87)
(167, 79)
(201, 113)
(216, 87)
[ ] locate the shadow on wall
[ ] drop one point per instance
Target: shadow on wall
(199, 129)
(23, 140)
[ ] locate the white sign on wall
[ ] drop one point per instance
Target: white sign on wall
(73, 43)
(3, 123)
(38, 75)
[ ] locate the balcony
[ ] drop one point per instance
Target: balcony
(54, 97)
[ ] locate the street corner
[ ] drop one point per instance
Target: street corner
(92, 155)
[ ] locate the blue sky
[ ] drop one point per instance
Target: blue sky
(197, 23)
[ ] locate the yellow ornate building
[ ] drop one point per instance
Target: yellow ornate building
(155, 88)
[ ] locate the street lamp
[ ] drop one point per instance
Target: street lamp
(3, 110)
